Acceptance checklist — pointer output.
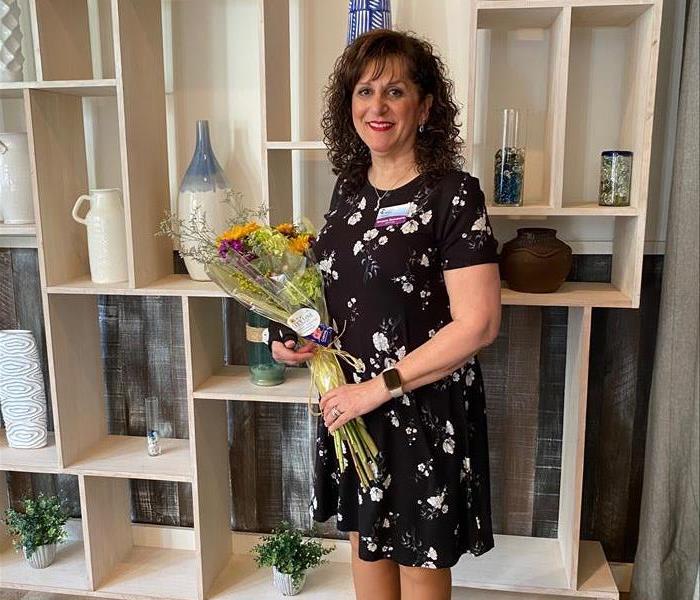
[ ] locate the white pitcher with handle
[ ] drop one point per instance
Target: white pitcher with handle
(106, 231)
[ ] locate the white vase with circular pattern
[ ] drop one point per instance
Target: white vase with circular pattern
(22, 396)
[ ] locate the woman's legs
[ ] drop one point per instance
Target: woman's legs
(418, 583)
(377, 580)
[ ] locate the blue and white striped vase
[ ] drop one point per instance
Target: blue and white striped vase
(365, 15)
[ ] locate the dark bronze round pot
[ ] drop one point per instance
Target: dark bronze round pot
(535, 261)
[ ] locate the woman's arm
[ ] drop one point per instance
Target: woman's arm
(475, 306)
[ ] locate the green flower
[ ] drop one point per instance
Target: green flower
(265, 241)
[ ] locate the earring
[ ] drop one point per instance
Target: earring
(421, 128)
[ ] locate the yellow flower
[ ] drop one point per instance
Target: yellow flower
(237, 232)
(285, 228)
(300, 243)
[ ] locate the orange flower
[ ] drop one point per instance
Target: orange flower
(237, 232)
(300, 243)
(285, 229)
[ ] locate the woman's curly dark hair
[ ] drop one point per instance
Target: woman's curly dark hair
(437, 148)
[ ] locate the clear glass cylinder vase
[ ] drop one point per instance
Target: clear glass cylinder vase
(264, 370)
(509, 161)
(153, 425)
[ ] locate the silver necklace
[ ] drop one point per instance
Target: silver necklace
(386, 192)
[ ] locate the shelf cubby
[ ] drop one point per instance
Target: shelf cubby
(301, 41)
(117, 566)
(86, 447)
(67, 574)
(520, 56)
(58, 149)
(301, 181)
(608, 98)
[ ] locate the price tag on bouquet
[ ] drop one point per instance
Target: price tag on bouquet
(306, 322)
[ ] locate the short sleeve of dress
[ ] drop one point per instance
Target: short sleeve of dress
(463, 229)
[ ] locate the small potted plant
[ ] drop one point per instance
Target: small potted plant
(38, 529)
(290, 556)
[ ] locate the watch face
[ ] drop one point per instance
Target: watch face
(392, 379)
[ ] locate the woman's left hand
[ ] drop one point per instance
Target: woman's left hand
(352, 400)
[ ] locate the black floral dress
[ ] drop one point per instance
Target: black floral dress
(385, 289)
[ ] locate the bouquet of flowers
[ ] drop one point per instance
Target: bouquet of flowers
(272, 271)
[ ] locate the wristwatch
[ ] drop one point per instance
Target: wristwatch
(392, 380)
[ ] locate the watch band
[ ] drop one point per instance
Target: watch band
(392, 381)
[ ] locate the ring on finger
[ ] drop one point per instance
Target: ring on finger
(335, 412)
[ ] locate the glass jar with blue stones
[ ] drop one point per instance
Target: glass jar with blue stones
(509, 162)
(615, 178)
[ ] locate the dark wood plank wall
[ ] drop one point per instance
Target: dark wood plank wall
(271, 446)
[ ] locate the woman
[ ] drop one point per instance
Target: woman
(411, 277)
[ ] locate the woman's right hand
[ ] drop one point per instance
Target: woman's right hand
(285, 353)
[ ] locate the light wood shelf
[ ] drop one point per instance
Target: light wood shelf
(68, 574)
(297, 145)
(233, 383)
(17, 230)
(88, 87)
(148, 572)
(125, 456)
(35, 460)
(111, 562)
(515, 565)
(569, 294)
(579, 209)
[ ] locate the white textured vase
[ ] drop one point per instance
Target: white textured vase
(15, 179)
(11, 58)
(42, 556)
(106, 232)
(283, 583)
(22, 396)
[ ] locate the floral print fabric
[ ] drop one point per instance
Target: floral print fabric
(386, 294)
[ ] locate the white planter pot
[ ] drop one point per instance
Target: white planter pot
(15, 179)
(106, 232)
(283, 583)
(22, 395)
(42, 557)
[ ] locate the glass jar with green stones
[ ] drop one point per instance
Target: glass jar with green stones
(264, 370)
(615, 178)
(509, 161)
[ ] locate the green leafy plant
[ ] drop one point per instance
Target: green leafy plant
(41, 522)
(288, 551)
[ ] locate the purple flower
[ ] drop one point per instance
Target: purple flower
(226, 246)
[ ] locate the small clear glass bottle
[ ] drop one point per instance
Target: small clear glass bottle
(615, 178)
(509, 162)
(153, 421)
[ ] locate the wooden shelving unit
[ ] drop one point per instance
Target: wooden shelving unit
(106, 558)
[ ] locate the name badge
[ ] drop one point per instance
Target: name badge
(392, 215)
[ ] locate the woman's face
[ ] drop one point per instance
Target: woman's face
(387, 111)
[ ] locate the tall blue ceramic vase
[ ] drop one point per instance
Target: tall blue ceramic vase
(204, 194)
(364, 15)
